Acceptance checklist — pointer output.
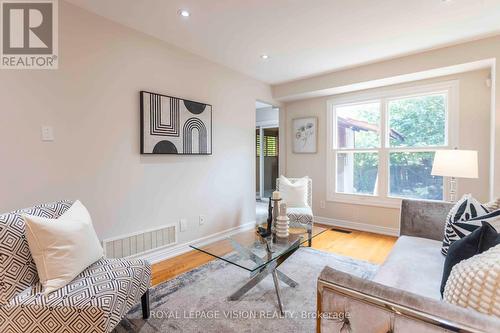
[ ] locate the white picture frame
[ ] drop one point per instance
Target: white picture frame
(305, 135)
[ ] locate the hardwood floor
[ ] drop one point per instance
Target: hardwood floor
(357, 244)
(170, 268)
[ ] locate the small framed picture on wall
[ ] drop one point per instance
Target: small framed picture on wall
(304, 135)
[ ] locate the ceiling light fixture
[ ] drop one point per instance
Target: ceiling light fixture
(184, 13)
(264, 56)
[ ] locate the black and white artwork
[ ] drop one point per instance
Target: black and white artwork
(171, 125)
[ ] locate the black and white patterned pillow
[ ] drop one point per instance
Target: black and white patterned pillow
(460, 220)
(493, 218)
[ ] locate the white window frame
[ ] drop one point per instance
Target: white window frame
(382, 198)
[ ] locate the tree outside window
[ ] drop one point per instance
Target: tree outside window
(389, 142)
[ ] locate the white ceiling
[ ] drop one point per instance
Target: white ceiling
(303, 37)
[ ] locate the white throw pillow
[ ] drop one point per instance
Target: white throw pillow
(294, 194)
(62, 248)
(493, 205)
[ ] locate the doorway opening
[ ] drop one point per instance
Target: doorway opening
(266, 150)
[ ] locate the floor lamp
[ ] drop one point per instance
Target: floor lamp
(455, 164)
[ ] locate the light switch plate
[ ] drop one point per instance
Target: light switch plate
(47, 133)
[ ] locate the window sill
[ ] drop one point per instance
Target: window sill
(366, 200)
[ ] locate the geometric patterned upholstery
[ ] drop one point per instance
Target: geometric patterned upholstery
(95, 301)
(300, 215)
(17, 268)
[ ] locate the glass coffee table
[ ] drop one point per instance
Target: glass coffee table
(260, 256)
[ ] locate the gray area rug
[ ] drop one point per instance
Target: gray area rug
(197, 301)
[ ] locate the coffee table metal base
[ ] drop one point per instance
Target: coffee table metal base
(259, 275)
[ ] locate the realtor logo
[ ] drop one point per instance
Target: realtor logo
(29, 34)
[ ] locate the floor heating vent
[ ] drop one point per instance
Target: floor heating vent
(342, 231)
(138, 243)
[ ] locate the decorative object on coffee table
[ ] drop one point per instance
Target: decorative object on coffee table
(276, 198)
(269, 217)
(265, 232)
(282, 227)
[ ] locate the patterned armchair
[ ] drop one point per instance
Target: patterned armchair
(95, 301)
(301, 216)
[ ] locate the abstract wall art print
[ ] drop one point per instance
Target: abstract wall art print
(171, 125)
(304, 135)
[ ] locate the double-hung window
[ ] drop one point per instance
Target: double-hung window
(381, 146)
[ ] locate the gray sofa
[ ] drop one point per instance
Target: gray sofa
(403, 296)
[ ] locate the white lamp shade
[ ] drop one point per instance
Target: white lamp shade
(455, 163)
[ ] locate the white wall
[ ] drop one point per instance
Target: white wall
(474, 125)
(92, 101)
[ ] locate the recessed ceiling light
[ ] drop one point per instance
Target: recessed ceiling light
(264, 56)
(184, 13)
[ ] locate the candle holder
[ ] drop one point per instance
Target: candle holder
(276, 213)
(282, 223)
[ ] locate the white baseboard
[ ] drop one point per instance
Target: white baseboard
(178, 249)
(357, 226)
